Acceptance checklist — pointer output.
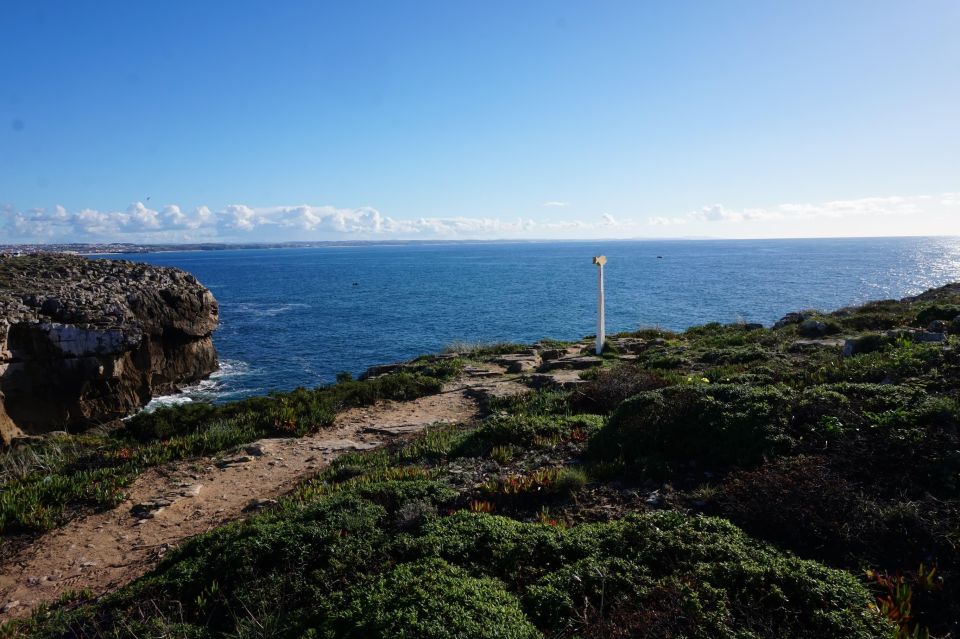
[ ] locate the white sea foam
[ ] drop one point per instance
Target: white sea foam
(264, 310)
(211, 389)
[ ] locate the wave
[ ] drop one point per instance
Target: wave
(267, 310)
(220, 386)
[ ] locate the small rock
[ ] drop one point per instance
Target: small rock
(191, 490)
(258, 504)
(10, 605)
(255, 450)
(149, 509)
(234, 461)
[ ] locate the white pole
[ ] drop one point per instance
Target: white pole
(600, 260)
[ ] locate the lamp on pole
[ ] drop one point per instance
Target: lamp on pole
(600, 260)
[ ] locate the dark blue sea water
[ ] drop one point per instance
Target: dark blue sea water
(295, 317)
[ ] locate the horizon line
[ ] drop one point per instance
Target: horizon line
(344, 242)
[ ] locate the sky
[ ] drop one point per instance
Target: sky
(247, 121)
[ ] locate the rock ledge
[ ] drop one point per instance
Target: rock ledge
(84, 342)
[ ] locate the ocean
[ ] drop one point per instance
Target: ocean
(296, 317)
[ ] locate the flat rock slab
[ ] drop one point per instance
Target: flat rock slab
(347, 444)
(579, 363)
(495, 390)
(471, 371)
(519, 362)
(566, 379)
(395, 430)
(630, 344)
(566, 351)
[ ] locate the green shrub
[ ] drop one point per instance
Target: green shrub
(916, 446)
(609, 386)
(428, 599)
(716, 335)
(701, 572)
(539, 402)
(869, 343)
(871, 321)
(526, 431)
(945, 312)
(817, 511)
(715, 425)
(664, 360)
(896, 362)
(648, 333)
(440, 368)
(336, 567)
(569, 481)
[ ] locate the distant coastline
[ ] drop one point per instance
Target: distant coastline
(109, 248)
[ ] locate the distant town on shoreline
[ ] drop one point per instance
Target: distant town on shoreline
(101, 248)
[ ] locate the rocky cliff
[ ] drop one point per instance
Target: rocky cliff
(84, 342)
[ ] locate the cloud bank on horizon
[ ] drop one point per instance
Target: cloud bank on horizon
(893, 215)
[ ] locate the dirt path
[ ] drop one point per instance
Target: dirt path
(169, 504)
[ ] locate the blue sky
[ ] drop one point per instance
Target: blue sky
(251, 121)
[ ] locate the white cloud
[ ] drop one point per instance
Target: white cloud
(893, 206)
(555, 204)
(239, 222)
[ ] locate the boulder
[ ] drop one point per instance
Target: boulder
(792, 318)
(938, 326)
(812, 328)
(552, 353)
(382, 369)
(518, 362)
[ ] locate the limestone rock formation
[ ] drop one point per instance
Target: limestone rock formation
(84, 342)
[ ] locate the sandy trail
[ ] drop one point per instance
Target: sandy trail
(172, 503)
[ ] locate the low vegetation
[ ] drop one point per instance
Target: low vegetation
(45, 483)
(728, 481)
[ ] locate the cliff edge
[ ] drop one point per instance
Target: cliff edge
(84, 342)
